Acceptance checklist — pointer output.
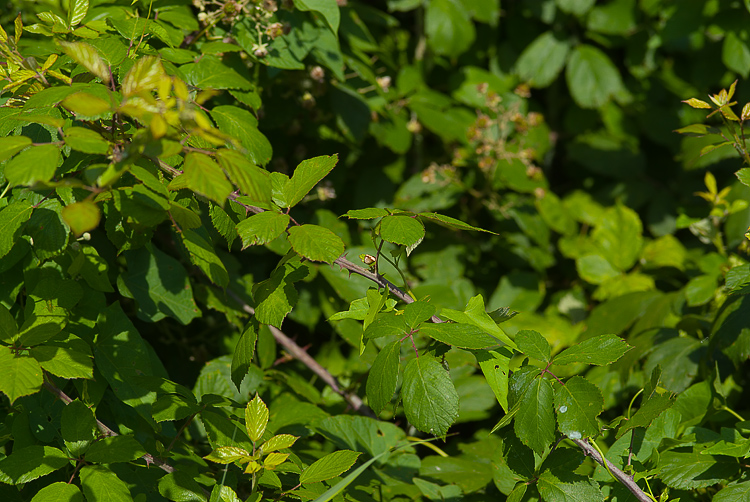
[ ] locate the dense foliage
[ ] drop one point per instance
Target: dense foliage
(349, 250)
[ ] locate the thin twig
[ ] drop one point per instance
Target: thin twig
(623, 478)
(299, 353)
(106, 431)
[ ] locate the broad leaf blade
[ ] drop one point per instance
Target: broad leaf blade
(578, 403)
(330, 466)
(204, 176)
(533, 345)
(262, 228)
(429, 397)
(535, 420)
(307, 174)
(600, 350)
(316, 243)
(464, 336)
(383, 377)
(256, 418)
(402, 230)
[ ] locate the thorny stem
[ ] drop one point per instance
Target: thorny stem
(620, 476)
(300, 354)
(356, 401)
(106, 431)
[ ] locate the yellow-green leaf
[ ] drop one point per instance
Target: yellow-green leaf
(145, 75)
(85, 55)
(256, 418)
(81, 216)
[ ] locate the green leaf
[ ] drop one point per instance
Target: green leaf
(533, 345)
(29, 463)
(449, 29)
(182, 486)
(279, 442)
(735, 54)
(692, 470)
(78, 426)
(211, 73)
(203, 175)
(329, 9)
(332, 465)
(618, 236)
(13, 218)
(203, 256)
(57, 492)
(77, 10)
(82, 216)
(700, 289)
(614, 18)
(307, 174)
(386, 324)
(100, 483)
(578, 403)
(542, 61)
(243, 125)
(85, 140)
(470, 474)
(86, 106)
(121, 355)
(243, 353)
(554, 487)
(495, 367)
(8, 326)
(657, 404)
(160, 285)
(738, 279)
(115, 449)
(316, 243)
(88, 57)
(48, 230)
(276, 296)
(228, 455)
(735, 493)
(535, 420)
(370, 213)
(38, 329)
(37, 164)
(249, 178)
(577, 7)
(383, 376)
(63, 361)
(402, 230)
(262, 228)
(599, 350)
(21, 375)
(256, 418)
(429, 397)
(171, 407)
(464, 336)
(595, 268)
(418, 312)
(476, 315)
(449, 222)
(592, 77)
(679, 357)
(144, 76)
(11, 145)
(743, 175)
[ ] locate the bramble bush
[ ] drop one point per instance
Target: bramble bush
(374, 251)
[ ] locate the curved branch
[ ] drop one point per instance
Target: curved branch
(623, 478)
(106, 431)
(300, 354)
